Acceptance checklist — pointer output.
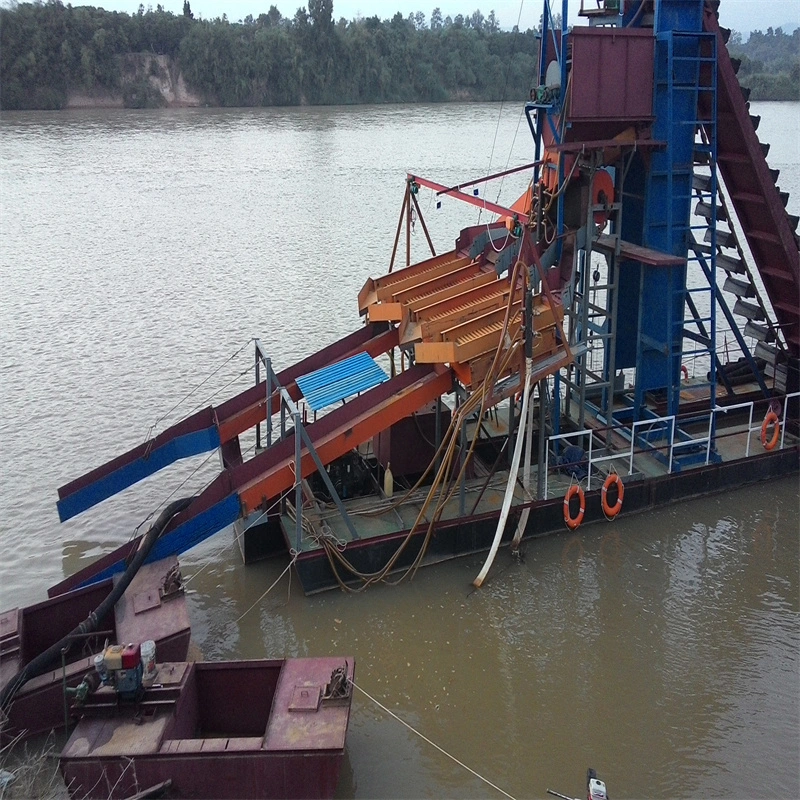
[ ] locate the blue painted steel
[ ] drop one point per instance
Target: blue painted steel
(184, 537)
(330, 384)
(181, 447)
(668, 195)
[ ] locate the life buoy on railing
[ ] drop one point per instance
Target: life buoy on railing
(770, 419)
(609, 510)
(573, 522)
(685, 372)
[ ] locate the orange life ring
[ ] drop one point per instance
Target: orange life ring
(609, 510)
(573, 522)
(770, 419)
(685, 372)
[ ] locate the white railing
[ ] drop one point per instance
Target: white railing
(667, 424)
(592, 459)
(750, 428)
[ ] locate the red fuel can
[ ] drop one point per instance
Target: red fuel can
(131, 656)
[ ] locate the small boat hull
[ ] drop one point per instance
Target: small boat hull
(239, 729)
(143, 612)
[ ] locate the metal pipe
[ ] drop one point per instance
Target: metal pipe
(542, 439)
(269, 402)
(258, 380)
(298, 487)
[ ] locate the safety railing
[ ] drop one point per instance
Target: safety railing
(759, 426)
(592, 459)
(658, 429)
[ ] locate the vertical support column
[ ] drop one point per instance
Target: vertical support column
(542, 469)
(269, 402)
(462, 454)
(298, 488)
(438, 433)
(408, 225)
(258, 380)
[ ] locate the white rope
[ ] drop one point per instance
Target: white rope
(289, 566)
(432, 744)
(210, 560)
(199, 385)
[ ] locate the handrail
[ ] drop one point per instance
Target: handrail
(786, 399)
(668, 425)
(750, 428)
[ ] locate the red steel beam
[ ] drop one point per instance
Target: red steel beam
(490, 177)
(467, 198)
(243, 411)
(243, 418)
(355, 424)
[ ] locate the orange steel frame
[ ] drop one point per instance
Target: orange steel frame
(257, 412)
(345, 438)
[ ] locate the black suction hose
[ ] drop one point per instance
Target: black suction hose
(41, 663)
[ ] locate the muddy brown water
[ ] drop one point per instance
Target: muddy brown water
(139, 251)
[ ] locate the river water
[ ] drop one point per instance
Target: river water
(140, 252)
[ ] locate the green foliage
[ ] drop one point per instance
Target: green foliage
(48, 49)
(770, 63)
(141, 94)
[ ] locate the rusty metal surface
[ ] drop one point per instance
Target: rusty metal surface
(114, 750)
(612, 74)
(320, 728)
(761, 212)
(115, 736)
(38, 706)
(142, 614)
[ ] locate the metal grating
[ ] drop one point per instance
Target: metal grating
(341, 380)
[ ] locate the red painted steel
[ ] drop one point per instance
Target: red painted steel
(199, 421)
(139, 615)
(616, 74)
(245, 410)
(249, 408)
(467, 198)
(272, 472)
(755, 197)
(223, 730)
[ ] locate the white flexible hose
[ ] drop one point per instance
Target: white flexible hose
(526, 475)
(512, 479)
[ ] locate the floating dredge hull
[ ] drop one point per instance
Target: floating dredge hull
(474, 534)
(585, 330)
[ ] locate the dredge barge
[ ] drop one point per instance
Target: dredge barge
(561, 365)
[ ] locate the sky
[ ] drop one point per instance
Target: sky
(741, 15)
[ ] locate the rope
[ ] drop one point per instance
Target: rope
(210, 560)
(190, 393)
(446, 481)
(432, 744)
(503, 100)
(222, 388)
(180, 486)
(288, 567)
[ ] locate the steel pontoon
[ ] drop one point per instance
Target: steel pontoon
(653, 229)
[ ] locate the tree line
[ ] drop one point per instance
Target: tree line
(770, 65)
(48, 50)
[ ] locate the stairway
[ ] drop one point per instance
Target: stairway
(739, 296)
(757, 201)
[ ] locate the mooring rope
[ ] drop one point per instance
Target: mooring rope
(432, 744)
(274, 583)
(192, 391)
